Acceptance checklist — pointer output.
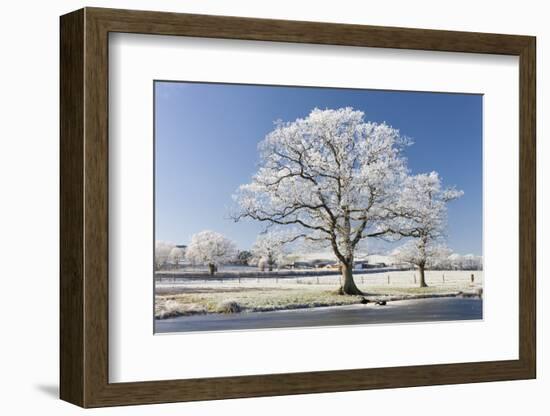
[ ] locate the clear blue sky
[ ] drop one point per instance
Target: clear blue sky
(206, 146)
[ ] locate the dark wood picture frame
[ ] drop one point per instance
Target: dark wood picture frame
(84, 207)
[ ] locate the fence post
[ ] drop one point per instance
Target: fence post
(388, 279)
(443, 277)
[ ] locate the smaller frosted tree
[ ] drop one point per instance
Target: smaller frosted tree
(422, 255)
(269, 249)
(467, 262)
(162, 253)
(176, 254)
(421, 213)
(211, 249)
(244, 257)
(472, 262)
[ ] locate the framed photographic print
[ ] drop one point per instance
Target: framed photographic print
(255, 207)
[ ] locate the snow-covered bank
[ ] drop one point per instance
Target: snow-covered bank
(193, 299)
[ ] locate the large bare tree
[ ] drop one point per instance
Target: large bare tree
(331, 176)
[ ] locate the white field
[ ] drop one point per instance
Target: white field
(210, 296)
(448, 279)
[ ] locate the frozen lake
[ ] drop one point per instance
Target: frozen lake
(418, 310)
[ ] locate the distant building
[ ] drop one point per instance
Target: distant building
(367, 265)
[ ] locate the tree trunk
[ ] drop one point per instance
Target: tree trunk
(349, 287)
(422, 276)
(211, 269)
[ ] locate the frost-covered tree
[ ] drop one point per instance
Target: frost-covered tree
(176, 254)
(211, 249)
(269, 249)
(244, 257)
(331, 175)
(421, 254)
(421, 213)
(472, 262)
(467, 262)
(162, 253)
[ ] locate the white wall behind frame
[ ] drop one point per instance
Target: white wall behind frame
(29, 209)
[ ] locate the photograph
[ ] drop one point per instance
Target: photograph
(282, 206)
